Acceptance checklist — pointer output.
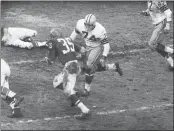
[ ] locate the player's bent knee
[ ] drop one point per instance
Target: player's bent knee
(152, 45)
(74, 100)
(73, 68)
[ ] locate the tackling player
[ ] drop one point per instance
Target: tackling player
(97, 48)
(63, 49)
(161, 17)
(6, 94)
(19, 37)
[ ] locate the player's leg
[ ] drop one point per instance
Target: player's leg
(23, 44)
(58, 81)
(156, 43)
(66, 81)
(70, 67)
(74, 99)
(28, 37)
(112, 66)
(19, 43)
(98, 67)
(91, 65)
(168, 49)
(10, 97)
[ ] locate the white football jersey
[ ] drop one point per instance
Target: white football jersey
(156, 10)
(21, 33)
(92, 38)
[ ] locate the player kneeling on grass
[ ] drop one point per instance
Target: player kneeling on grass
(6, 94)
(20, 37)
(63, 49)
(161, 17)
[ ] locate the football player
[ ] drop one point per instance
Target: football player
(8, 95)
(63, 49)
(97, 48)
(161, 17)
(19, 37)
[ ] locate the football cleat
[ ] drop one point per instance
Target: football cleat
(118, 69)
(16, 113)
(84, 116)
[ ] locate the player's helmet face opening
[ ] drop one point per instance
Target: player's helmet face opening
(90, 21)
(56, 33)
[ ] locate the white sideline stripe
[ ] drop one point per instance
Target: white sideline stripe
(112, 53)
(27, 61)
(98, 113)
(131, 51)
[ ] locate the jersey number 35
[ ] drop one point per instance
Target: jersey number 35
(69, 46)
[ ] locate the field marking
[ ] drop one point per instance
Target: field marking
(98, 113)
(131, 51)
(111, 53)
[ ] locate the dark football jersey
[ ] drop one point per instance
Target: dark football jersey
(65, 50)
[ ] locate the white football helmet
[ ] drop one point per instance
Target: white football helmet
(90, 21)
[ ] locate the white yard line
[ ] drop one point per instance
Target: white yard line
(23, 61)
(131, 51)
(98, 113)
(112, 53)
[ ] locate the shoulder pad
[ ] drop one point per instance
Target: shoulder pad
(80, 24)
(99, 30)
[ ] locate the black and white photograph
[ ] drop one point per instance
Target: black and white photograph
(87, 65)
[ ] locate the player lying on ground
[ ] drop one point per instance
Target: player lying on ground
(6, 94)
(63, 49)
(97, 48)
(161, 18)
(19, 37)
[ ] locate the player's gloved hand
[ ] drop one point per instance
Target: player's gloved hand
(144, 13)
(102, 61)
(167, 28)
